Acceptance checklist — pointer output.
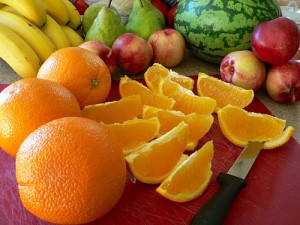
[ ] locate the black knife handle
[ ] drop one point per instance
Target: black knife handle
(215, 210)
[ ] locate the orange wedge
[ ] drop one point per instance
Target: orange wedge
(185, 100)
(240, 126)
(135, 132)
(191, 178)
(224, 93)
(281, 139)
(124, 109)
(129, 87)
(157, 71)
(199, 125)
(152, 162)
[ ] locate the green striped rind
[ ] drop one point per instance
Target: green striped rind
(213, 28)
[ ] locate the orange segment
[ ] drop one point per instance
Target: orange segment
(280, 140)
(129, 87)
(224, 93)
(158, 71)
(240, 126)
(190, 179)
(153, 162)
(132, 133)
(199, 125)
(185, 100)
(119, 111)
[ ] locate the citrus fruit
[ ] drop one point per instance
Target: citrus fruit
(199, 125)
(152, 162)
(283, 138)
(69, 171)
(240, 126)
(135, 132)
(128, 87)
(191, 178)
(224, 93)
(185, 100)
(81, 71)
(29, 103)
(118, 111)
(157, 71)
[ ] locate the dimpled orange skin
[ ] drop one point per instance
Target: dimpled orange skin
(29, 103)
(70, 172)
(81, 71)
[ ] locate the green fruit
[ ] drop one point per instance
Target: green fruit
(89, 16)
(214, 28)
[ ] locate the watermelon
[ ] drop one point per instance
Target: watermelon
(213, 28)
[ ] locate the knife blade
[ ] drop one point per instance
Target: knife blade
(232, 182)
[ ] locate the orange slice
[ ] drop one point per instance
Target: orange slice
(240, 126)
(224, 93)
(157, 71)
(129, 87)
(152, 162)
(191, 178)
(126, 108)
(281, 139)
(136, 132)
(185, 100)
(199, 125)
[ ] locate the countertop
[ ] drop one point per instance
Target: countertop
(192, 66)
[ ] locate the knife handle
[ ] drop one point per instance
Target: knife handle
(215, 210)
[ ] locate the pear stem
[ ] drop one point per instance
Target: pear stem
(109, 3)
(141, 3)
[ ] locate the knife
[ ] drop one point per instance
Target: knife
(232, 182)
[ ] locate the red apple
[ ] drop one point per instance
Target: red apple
(161, 6)
(283, 82)
(103, 51)
(168, 47)
(171, 16)
(243, 69)
(81, 6)
(132, 52)
(276, 41)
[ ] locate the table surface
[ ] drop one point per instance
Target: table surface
(192, 66)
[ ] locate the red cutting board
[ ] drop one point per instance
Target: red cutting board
(271, 197)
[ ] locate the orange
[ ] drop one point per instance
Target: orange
(199, 125)
(157, 71)
(69, 171)
(280, 140)
(118, 111)
(240, 126)
(224, 93)
(81, 71)
(191, 178)
(152, 162)
(129, 87)
(185, 100)
(29, 103)
(135, 132)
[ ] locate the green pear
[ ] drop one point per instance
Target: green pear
(106, 27)
(154, 11)
(89, 16)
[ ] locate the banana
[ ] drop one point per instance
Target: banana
(57, 10)
(36, 39)
(75, 20)
(18, 54)
(74, 38)
(8, 8)
(33, 10)
(55, 33)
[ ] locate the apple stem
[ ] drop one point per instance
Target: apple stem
(141, 3)
(292, 94)
(109, 3)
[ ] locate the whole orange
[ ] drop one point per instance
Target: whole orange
(69, 171)
(81, 71)
(29, 103)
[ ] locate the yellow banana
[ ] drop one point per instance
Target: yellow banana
(36, 39)
(18, 54)
(33, 10)
(75, 20)
(74, 38)
(57, 10)
(54, 32)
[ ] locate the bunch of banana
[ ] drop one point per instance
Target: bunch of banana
(31, 30)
